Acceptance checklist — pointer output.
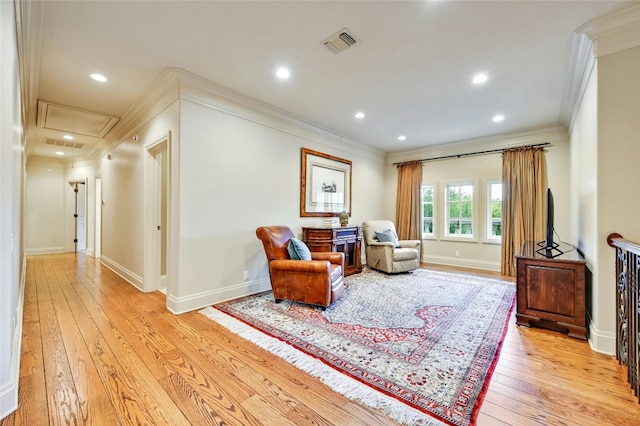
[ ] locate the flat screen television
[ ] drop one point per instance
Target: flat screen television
(548, 247)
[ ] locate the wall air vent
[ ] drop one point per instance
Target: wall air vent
(340, 41)
(64, 143)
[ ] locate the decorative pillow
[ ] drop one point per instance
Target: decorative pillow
(387, 237)
(298, 250)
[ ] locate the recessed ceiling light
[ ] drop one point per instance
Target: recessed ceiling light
(359, 115)
(402, 138)
(59, 153)
(99, 77)
(68, 137)
(283, 73)
(479, 78)
(498, 118)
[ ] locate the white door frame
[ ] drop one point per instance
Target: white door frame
(97, 238)
(153, 280)
(71, 203)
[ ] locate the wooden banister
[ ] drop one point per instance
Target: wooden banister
(627, 307)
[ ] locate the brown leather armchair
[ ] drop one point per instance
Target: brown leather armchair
(319, 281)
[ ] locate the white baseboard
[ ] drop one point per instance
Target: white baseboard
(179, 305)
(462, 262)
(132, 278)
(9, 392)
(601, 341)
(45, 250)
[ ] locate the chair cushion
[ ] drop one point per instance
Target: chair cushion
(298, 250)
(387, 237)
(401, 254)
(335, 272)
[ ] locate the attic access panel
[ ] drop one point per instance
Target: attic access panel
(72, 120)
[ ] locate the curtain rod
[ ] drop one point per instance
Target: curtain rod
(491, 151)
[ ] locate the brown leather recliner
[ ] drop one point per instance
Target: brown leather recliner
(319, 281)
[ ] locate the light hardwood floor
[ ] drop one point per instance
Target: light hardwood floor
(97, 351)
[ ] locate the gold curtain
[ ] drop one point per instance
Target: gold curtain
(408, 201)
(523, 201)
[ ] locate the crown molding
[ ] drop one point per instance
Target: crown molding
(581, 64)
(601, 36)
(29, 21)
(615, 32)
(160, 94)
(502, 141)
(178, 84)
(212, 95)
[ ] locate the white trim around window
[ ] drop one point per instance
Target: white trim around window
(432, 221)
(465, 224)
(493, 226)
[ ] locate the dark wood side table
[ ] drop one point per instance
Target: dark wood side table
(551, 292)
(346, 239)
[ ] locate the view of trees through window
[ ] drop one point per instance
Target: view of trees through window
(459, 210)
(427, 209)
(495, 209)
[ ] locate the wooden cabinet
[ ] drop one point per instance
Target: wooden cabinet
(551, 292)
(346, 239)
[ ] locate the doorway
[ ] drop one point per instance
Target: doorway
(97, 251)
(79, 216)
(157, 232)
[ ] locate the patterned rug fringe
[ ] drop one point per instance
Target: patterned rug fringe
(337, 381)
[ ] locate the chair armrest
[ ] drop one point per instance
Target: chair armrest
(380, 244)
(313, 266)
(410, 243)
(337, 258)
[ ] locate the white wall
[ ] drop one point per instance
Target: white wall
(122, 171)
(584, 189)
(44, 206)
(238, 171)
(11, 188)
(618, 199)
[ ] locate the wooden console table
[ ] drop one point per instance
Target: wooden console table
(551, 292)
(346, 239)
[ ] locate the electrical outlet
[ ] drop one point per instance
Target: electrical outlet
(246, 275)
(457, 253)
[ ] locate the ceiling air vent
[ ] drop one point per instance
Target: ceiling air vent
(340, 41)
(64, 143)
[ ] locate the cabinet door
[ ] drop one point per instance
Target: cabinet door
(551, 290)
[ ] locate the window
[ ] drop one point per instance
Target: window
(459, 210)
(428, 225)
(494, 210)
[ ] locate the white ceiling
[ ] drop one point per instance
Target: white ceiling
(410, 72)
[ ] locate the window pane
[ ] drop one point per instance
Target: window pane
(453, 193)
(454, 227)
(467, 210)
(427, 194)
(467, 229)
(466, 192)
(496, 191)
(496, 209)
(494, 223)
(427, 209)
(459, 210)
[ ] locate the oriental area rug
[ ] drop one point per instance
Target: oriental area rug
(421, 346)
